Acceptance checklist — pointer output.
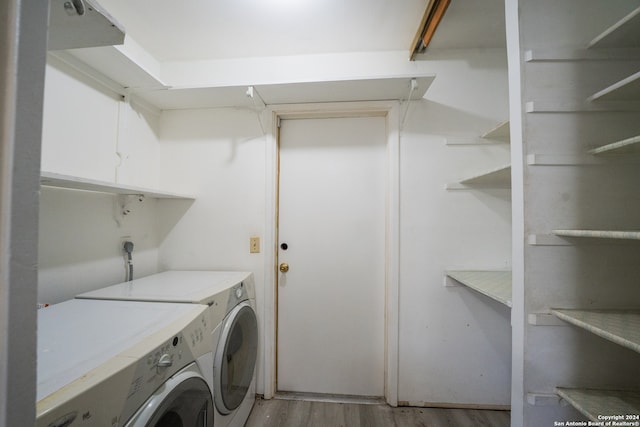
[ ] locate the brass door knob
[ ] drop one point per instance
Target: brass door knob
(284, 267)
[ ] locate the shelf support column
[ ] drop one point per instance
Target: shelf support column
(23, 38)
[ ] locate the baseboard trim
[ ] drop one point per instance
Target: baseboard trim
(447, 405)
(330, 398)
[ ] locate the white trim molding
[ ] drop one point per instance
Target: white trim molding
(389, 110)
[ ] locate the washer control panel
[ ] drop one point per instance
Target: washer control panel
(160, 364)
(114, 391)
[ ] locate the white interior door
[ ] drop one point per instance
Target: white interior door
(331, 301)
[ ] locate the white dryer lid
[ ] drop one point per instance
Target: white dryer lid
(77, 336)
(197, 287)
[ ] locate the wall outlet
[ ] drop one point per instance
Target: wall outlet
(254, 245)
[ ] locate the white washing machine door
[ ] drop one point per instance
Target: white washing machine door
(183, 401)
(235, 357)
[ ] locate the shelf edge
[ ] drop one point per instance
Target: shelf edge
(51, 179)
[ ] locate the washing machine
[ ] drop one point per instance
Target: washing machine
(122, 363)
(230, 298)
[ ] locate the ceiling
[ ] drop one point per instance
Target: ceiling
(191, 30)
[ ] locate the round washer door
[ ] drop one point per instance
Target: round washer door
(183, 401)
(235, 358)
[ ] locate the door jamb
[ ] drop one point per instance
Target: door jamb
(389, 110)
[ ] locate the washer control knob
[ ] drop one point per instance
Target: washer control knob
(64, 420)
(165, 361)
(239, 293)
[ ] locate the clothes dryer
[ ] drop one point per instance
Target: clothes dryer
(230, 297)
(121, 363)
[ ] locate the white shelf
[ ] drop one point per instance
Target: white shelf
(49, 179)
(136, 74)
(291, 93)
(500, 132)
(619, 326)
(624, 33)
(599, 234)
(94, 28)
(624, 147)
(499, 178)
(494, 284)
(627, 89)
(572, 54)
(591, 402)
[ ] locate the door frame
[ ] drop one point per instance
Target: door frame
(390, 111)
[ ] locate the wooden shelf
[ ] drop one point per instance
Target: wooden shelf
(619, 326)
(500, 132)
(494, 284)
(624, 33)
(627, 89)
(499, 178)
(592, 403)
(599, 234)
(629, 146)
(49, 179)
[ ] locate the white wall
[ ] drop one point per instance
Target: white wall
(454, 343)
(448, 335)
(90, 132)
(219, 155)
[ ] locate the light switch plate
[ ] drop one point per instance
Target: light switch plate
(254, 245)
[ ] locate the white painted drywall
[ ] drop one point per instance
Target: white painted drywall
(90, 132)
(448, 335)
(455, 345)
(219, 155)
(80, 242)
(80, 125)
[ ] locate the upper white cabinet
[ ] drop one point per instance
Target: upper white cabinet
(81, 23)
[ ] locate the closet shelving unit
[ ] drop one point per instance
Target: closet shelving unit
(493, 284)
(498, 178)
(499, 133)
(592, 403)
(625, 147)
(619, 326)
(50, 179)
(599, 234)
(627, 89)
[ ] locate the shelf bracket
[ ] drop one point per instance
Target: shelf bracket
(413, 85)
(123, 205)
(544, 319)
(545, 399)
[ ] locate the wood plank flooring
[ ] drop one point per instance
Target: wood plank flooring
(303, 413)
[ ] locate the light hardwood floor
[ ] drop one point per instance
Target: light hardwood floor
(302, 413)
